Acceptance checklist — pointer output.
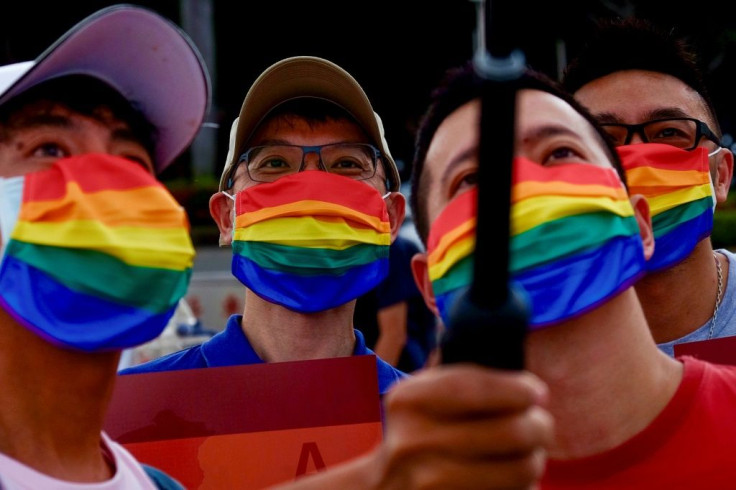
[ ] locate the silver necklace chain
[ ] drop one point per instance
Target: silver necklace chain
(718, 295)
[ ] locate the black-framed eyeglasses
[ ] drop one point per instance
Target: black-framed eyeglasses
(268, 163)
(682, 132)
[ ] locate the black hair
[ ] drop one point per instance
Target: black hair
(459, 86)
(631, 43)
(85, 95)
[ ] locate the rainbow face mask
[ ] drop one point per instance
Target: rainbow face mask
(574, 241)
(99, 254)
(677, 185)
(310, 241)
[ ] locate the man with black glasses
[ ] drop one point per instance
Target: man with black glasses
(645, 87)
(309, 203)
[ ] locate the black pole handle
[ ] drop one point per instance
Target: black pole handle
(488, 323)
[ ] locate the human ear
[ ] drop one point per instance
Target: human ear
(644, 220)
(420, 271)
(723, 174)
(221, 210)
(396, 205)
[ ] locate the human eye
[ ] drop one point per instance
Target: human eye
(464, 180)
(135, 153)
(347, 160)
(272, 160)
(678, 133)
(348, 165)
(49, 150)
(562, 153)
(272, 163)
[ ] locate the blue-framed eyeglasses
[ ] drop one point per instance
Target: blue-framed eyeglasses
(270, 162)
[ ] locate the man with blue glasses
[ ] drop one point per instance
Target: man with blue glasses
(309, 203)
(646, 89)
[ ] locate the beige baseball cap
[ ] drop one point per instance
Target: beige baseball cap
(147, 58)
(305, 76)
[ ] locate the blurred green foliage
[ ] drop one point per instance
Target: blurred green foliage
(724, 224)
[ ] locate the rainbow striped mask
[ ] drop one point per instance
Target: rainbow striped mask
(310, 241)
(574, 241)
(677, 185)
(99, 256)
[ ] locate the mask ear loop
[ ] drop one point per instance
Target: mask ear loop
(232, 218)
(710, 180)
(11, 196)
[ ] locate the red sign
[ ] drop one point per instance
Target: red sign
(717, 351)
(248, 426)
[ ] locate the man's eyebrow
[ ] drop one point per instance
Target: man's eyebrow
(40, 120)
(667, 113)
(125, 134)
(661, 113)
(272, 141)
(548, 130)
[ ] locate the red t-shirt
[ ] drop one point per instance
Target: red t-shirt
(690, 445)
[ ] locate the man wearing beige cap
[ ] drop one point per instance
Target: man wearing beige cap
(309, 202)
(309, 177)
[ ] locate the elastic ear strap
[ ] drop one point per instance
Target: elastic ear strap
(11, 195)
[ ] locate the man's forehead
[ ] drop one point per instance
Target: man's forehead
(52, 113)
(633, 96)
(280, 127)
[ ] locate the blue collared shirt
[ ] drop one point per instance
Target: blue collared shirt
(231, 348)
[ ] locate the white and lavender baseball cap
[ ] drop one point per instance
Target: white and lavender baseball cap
(142, 55)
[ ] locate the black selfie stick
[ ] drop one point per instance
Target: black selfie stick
(488, 323)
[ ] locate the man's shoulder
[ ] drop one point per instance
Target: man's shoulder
(189, 358)
(725, 372)
(225, 348)
(387, 375)
(717, 381)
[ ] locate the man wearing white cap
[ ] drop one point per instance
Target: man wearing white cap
(94, 252)
(309, 203)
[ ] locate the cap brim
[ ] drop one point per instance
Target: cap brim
(308, 76)
(145, 57)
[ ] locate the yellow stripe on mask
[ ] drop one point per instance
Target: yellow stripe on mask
(665, 202)
(449, 238)
(311, 208)
(530, 188)
(457, 252)
(532, 212)
(307, 231)
(165, 248)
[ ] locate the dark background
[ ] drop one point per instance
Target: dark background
(396, 49)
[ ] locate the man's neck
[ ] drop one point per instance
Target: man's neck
(681, 299)
(278, 334)
(52, 405)
(607, 378)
